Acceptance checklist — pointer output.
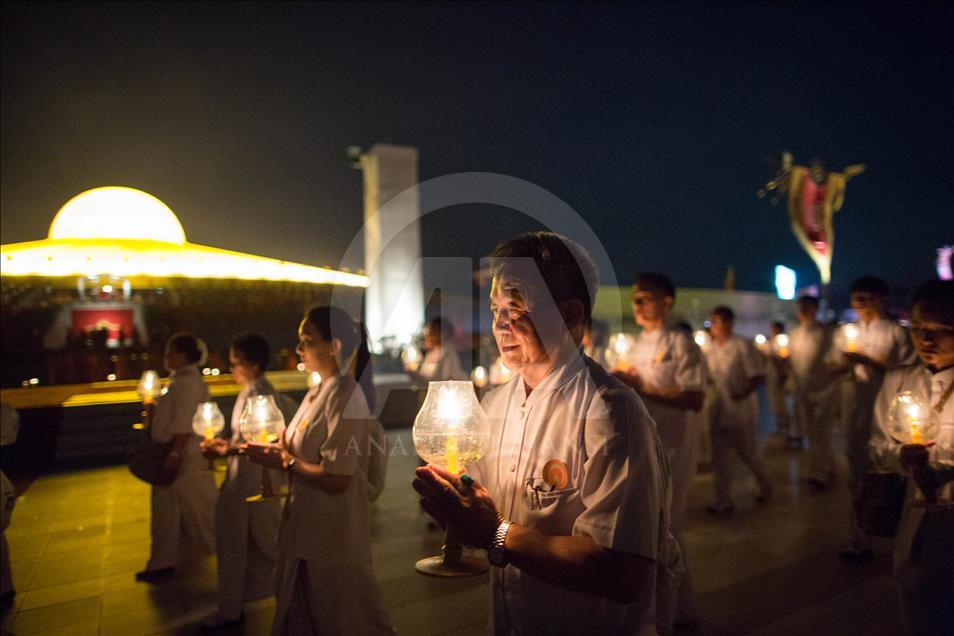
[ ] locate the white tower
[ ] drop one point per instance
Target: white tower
(394, 306)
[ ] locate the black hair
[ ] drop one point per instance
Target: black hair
(938, 295)
(442, 326)
(334, 322)
(778, 324)
(186, 344)
(656, 283)
(808, 299)
(870, 285)
(724, 312)
(253, 347)
(567, 269)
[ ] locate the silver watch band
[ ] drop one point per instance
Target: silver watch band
(500, 536)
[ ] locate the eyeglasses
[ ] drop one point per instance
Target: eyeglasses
(934, 334)
(511, 313)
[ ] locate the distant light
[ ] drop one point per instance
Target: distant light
(785, 282)
(206, 371)
(34, 381)
(314, 379)
(107, 289)
(139, 426)
(111, 377)
(944, 254)
(759, 339)
(300, 366)
(215, 371)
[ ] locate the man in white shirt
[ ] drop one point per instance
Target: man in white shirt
(816, 389)
(575, 497)
(924, 543)
(736, 370)
(441, 361)
(881, 345)
(667, 370)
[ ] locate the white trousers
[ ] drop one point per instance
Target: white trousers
(682, 463)
(857, 413)
(816, 415)
(246, 536)
(320, 599)
(183, 517)
(740, 439)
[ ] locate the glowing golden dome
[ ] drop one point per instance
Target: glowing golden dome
(116, 212)
(125, 232)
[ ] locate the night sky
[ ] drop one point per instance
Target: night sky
(652, 121)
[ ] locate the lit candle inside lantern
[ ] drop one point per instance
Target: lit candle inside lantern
(618, 352)
(850, 333)
(149, 387)
(479, 377)
(701, 338)
(781, 345)
(914, 422)
(411, 357)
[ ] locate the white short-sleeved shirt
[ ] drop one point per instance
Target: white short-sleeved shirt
(885, 341)
(332, 427)
(668, 359)
(244, 478)
(617, 490)
(810, 350)
(731, 365)
(176, 408)
(441, 364)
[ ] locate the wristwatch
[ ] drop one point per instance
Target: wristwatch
(496, 553)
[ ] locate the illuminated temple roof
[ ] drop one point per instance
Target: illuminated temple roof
(126, 232)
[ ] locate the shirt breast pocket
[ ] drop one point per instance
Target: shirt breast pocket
(541, 497)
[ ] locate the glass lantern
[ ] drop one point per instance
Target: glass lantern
(208, 422)
(702, 338)
(314, 379)
(849, 338)
(479, 377)
(449, 431)
(262, 422)
(780, 345)
(411, 357)
(911, 421)
(149, 387)
(618, 349)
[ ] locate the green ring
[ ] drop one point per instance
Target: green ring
(467, 480)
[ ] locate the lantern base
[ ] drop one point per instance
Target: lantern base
(458, 568)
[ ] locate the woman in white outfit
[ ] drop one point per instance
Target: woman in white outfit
(441, 362)
(245, 533)
(324, 580)
(183, 522)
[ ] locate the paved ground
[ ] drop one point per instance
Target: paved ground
(77, 538)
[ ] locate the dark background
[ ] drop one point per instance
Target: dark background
(652, 120)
